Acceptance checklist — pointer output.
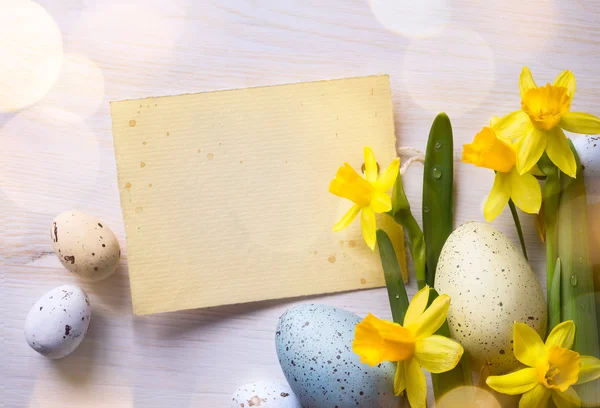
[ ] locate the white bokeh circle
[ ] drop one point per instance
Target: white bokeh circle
(455, 82)
(53, 162)
(413, 19)
(80, 87)
(31, 51)
(468, 397)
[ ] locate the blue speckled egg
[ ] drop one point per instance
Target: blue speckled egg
(314, 346)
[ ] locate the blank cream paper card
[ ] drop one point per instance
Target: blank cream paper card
(225, 194)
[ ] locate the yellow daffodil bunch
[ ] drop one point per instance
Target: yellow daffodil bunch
(413, 346)
(552, 368)
(369, 194)
(514, 144)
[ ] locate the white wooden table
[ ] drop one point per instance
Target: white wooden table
(460, 56)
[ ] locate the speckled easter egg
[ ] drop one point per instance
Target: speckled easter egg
(314, 346)
(491, 286)
(58, 321)
(85, 245)
(265, 394)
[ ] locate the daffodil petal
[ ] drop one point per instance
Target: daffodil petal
(562, 335)
(526, 81)
(400, 378)
(438, 354)
(381, 203)
(417, 305)
(527, 344)
(515, 383)
(566, 399)
(529, 149)
(580, 122)
(525, 192)
(498, 197)
(590, 369)
(369, 229)
(376, 341)
(370, 165)
(567, 79)
(387, 179)
(536, 397)
(347, 218)
(432, 318)
(416, 386)
(513, 125)
(560, 153)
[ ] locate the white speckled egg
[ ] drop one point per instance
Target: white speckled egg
(491, 286)
(85, 245)
(588, 149)
(314, 346)
(265, 394)
(58, 322)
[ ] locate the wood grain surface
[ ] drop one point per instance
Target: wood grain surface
(459, 56)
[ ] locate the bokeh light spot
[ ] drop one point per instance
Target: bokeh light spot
(31, 52)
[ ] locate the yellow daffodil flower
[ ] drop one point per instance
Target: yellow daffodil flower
(552, 368)
(538, 126)
(413, 345)
(488, 151)
(369, 194)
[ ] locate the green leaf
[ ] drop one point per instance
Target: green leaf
(438, 199)
(577, 284)
(393, 277)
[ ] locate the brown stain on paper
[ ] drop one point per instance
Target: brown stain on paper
(131, 123)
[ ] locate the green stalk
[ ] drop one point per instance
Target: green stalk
(438, 178)
(459, 376)
(515, 216)
(402, 215)
(393, 277)
(577, 284)
(551, 199)
(554, 307)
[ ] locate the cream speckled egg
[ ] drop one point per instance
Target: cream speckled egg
(85, 245)
(58, 321)
(267, 394)
(491, 286)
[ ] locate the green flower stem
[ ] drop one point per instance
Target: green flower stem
(554, 308)
(577, 281)
(515, 216)
(551, 200)
(402, 215)
(393, 277)
(438, 199)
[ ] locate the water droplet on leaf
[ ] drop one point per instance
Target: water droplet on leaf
(437, 173)
(438, 146)
(573, 280)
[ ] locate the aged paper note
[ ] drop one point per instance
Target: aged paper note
(224, 194)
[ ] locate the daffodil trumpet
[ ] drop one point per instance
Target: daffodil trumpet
(552, 368)
(412, 345)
